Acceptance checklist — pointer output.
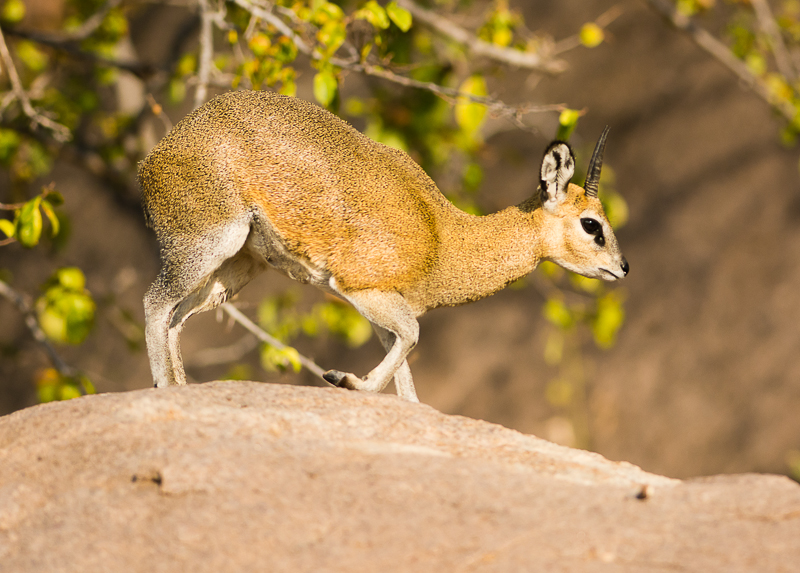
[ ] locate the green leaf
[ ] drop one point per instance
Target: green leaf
(325, 87)
(52, 386)
(33, 58)
(9, 142)
(71, 278)
(473, 176)
(289, 88)
(373, 13)
(324, 11)
(34, 160)
(88, 387)
(502, 36)
(259, 44)
(609, 319)
(585, 284)
(54, 324)
(187, 65)
(345, 322)
(55, 198)
(68, 392)
(756, 63)
(567, 121)
(274, 360)
(13, 11)
(557, 313)
(378, 132)
(176, 90)
(55, 226)
(550, 269)
(66, 310)
(469, 114)
(7, 227)
(615, 206)
(591, 35)
(29, 225)
(332, 35)
(114, 26)
(400, 16)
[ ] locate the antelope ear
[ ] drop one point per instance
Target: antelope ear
(558, 167)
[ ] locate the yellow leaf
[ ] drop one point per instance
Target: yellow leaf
(469, 114)
(400, 16)
(591, 35)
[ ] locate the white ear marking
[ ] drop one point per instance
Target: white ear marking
(558, 167)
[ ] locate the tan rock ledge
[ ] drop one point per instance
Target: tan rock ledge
(242, 476)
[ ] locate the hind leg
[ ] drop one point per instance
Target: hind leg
(403, 382)
(195, 276)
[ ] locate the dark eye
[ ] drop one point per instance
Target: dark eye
(591, 226)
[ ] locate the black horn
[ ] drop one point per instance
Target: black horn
(592, 184)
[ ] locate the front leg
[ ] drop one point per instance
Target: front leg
(390, 312)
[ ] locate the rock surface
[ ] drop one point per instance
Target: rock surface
(238, 476)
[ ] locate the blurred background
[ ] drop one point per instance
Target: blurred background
(690, 366)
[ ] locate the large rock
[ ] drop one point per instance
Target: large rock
(233, 476)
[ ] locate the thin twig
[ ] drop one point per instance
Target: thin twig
(265, 337)
(722, 53)
(206, 52)
(158, 111)
(11, 206)
(73, 48)
(478, 47)
(60, 132)
(226, 354)
(495, 106)
(767, 22)
(18, 300)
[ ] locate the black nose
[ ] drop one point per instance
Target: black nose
(625, 266)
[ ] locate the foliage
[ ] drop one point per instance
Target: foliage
(51, 385)
(27, 223)
(66, 309)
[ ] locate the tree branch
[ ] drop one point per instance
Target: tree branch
(265, 337)
(722, 53)
(767, 22)
(478, 47)
(226, 354)
(60, 132)
(495, 106)
(206, 52)
(72, 47)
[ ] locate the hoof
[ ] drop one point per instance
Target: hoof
(341, 379)
(334, 377)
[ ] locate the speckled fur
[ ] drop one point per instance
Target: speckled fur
(255, 179)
